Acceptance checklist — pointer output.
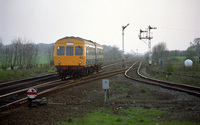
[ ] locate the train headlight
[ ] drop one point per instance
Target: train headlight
(79, 62)
(59, 62)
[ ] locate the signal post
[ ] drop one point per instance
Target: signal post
(148, 36)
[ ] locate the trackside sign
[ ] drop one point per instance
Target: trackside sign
(31, 93)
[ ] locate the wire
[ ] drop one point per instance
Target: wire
(177, 29)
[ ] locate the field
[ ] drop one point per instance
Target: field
(43, 67)
(175, 70)
(42, 60)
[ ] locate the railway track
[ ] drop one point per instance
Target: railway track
(170, 85)
(12, 98)
(21, 84)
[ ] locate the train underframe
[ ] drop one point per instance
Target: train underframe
(76, 71)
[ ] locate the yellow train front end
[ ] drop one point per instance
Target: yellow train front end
(69, 56)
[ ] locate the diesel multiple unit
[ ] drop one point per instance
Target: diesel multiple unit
(75, 57)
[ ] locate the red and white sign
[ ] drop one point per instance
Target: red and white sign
(32, 93)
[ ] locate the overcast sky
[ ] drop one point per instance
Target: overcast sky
(45, 21)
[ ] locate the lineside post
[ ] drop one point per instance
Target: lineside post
(105, 86)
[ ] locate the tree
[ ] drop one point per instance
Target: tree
(17, 47)
(6, 56)
(1, 43)
(110, 52)
(50, 53)
(30, 52)
(1, 50)
(196, 47)
(176, 53)
(190, 53)
(160, 50)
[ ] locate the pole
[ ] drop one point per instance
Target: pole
(150, 58)
(123, 46)
(123, 28)
(29, 102)
(149, 38)
(105, 95)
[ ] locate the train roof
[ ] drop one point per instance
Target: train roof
(79, 38)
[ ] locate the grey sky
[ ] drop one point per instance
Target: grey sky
(45, 21)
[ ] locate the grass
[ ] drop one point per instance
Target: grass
(123, 117)
(176, 66)
(43, 67)
(42, 60)
(120, 87)
(143, 90)
(10, 75)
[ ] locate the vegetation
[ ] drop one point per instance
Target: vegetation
(113, 53)
(174, 63)
(174, 70)
(119, 116)
(143, 90)
(42, 67)
(24, 54)
(193, 51)
(160, 51)
(120, 87)
(23, 58)
(9, 75)
(21, 54)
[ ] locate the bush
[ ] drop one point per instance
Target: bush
(170, 67)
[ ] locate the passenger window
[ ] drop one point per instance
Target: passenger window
(78, 50)
(60, 50)
(69, 50)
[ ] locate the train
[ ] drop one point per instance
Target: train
(77, 57)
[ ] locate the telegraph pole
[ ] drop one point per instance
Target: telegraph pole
(147, 37)
(123, 28)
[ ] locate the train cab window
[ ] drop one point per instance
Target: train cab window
(60, 50)
(69, 50)
(78, 50)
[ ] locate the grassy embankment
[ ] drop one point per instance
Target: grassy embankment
(175, 65)
(43, 67)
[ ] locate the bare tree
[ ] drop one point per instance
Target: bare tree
(6, 56)
(18, 53)
(16, 44)
(111, 52)
(30, 54)
(50, 54)
(160, 50)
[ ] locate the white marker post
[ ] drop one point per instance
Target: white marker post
(105, 86)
